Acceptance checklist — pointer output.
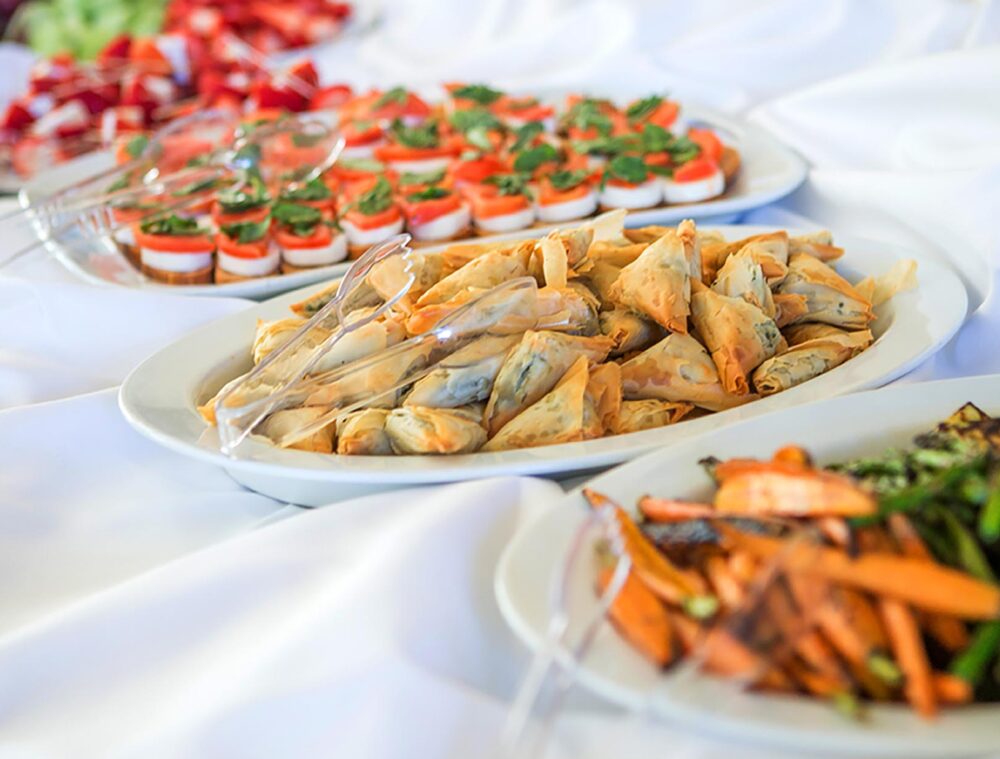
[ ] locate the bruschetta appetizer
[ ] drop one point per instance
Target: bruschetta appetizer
(175, 250)
(371, 217)
(244, 251)
(306, 238)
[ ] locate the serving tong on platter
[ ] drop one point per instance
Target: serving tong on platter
(215, 148)
(372, 288)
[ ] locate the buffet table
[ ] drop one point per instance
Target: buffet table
(151, 606)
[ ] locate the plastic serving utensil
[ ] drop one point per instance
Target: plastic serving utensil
(250, 398)
(264, 152)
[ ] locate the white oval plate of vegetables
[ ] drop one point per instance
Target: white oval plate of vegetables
(924, 469)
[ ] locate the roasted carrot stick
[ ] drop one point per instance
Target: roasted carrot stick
(672, 584)
(948, 631)
(641, 618)
(730, 591)
(777, 488)
(724, 655)
(671, 510)
(723, 470)
(743, 566)
(951, 689)
(817, 683)
(793, 454)
(908, 648)
(689, 632)
(920, 583)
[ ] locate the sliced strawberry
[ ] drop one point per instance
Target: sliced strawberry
(115, 52)
(17, 117)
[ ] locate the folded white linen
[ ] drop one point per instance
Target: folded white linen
(58, 339)
(86, 502)
(908, 152)
(366, 629)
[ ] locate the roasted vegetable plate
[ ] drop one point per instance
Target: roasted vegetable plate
(850, 568)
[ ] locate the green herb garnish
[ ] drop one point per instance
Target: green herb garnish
(525, 135)
(430, 193)
(298, 219)
(478, 93)
(245, 196)
(367, 165)
(121, 183)
(421, 177)
(474, 117)
(682, 150)
(642, 108)
(628, 168)
(136, 146)
(532, 158)
(424, 135)
(314, 189)
(173, 225)
(397, 95)
(509, 184)
(568, 179)
(377, 199)
(247, 231)
(589, 114)
(193, 188)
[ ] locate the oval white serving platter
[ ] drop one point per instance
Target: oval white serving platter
(160, 396)
(769, 171)
(834, 430)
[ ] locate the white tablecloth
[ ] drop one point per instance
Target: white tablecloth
(151, 607)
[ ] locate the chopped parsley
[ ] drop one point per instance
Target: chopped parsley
(247, 231)
(479, 93)
(509, 184)
(530, 159)
(300, 220)
(314, 189)
(172, 225)
(568, 179)
(430, 193)
(424, 135)
(421, 177)
(643, 108)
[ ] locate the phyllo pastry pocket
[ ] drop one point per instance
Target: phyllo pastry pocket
(830, 298)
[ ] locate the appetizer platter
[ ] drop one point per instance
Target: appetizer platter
(452, 168)
(637, 343)
(206, 57)
(885, 544)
